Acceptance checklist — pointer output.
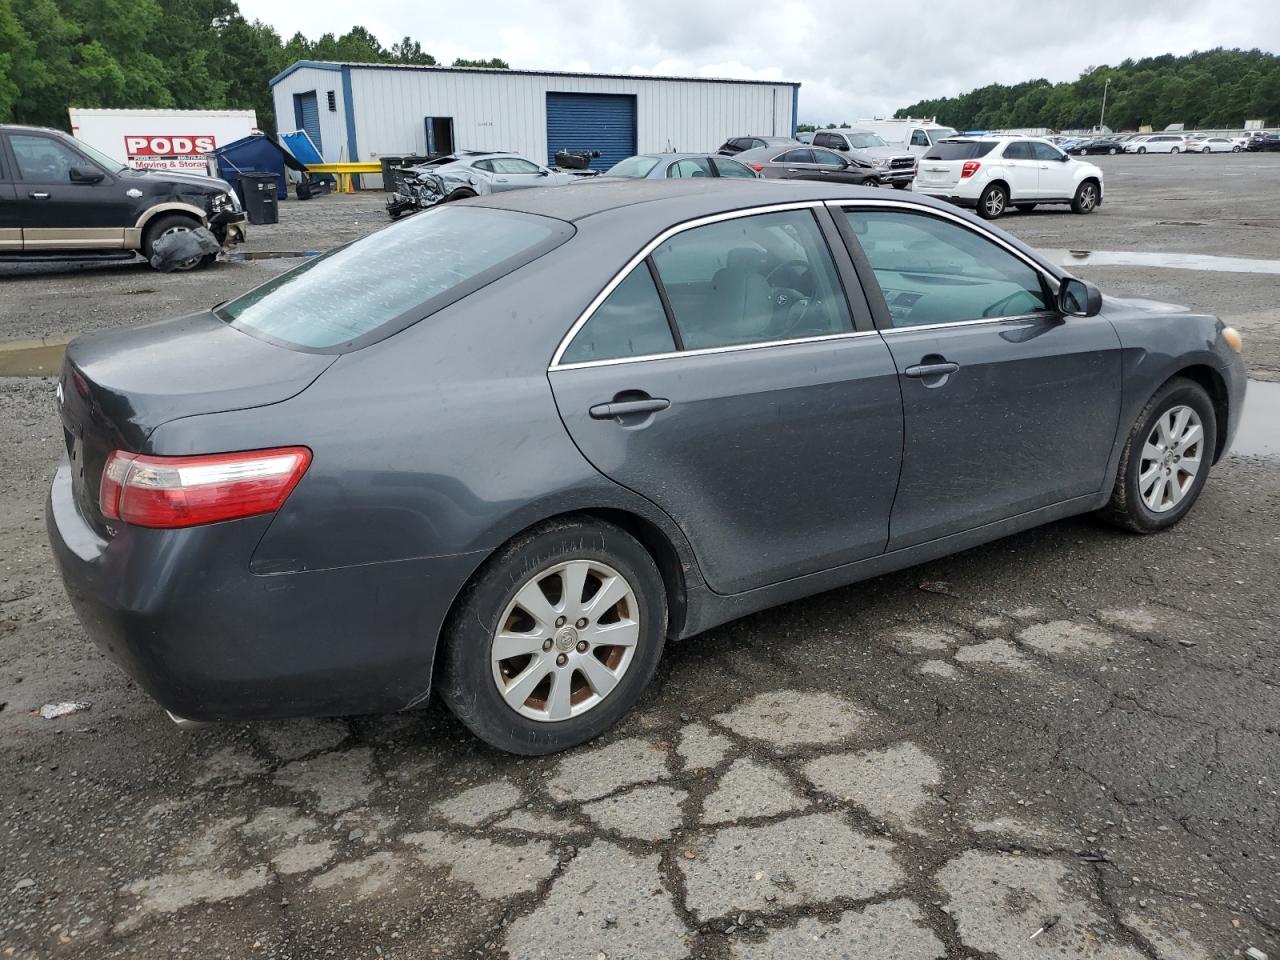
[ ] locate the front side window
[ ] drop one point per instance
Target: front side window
(918, 139)
(732, 168)
(825, 140)
(828, 159)
(690, 167)
(43, 159)
(393, 278)
(752, 279)
(629, 323)
(933, 271)
(514, 165)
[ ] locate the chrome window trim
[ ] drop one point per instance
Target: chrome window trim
(639, 258)
(1040, 315)
(706, 351)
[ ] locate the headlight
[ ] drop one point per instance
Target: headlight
(225, 201)
(880, 162)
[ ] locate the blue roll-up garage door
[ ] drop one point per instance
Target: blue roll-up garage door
(306, 112)
(592, 121)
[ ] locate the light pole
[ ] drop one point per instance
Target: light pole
(1103, 117)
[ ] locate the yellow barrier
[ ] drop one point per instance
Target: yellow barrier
(345, 171)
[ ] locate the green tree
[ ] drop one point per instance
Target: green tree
(493, 63)
(409, 50)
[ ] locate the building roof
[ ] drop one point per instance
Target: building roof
(351, 65)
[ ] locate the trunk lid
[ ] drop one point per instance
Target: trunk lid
(939, 173)
(117, 387)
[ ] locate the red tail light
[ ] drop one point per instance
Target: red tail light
(172, 492)
(969, 169)
(758, 167)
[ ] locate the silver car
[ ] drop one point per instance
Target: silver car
(470, 173)
(657, 166)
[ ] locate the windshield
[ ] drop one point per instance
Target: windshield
(941, 133)
(632, 167)
(388, 280)
(860, 141)
(101, 159)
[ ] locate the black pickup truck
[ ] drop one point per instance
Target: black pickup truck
(62, 199)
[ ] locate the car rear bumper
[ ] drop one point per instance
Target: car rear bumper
(944, 193)
(180, 612)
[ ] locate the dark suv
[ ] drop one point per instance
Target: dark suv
(60, 198)
(738, 144)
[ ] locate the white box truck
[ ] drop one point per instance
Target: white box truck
(161, 139)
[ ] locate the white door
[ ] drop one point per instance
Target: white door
(1022, 171)
(1057, 172)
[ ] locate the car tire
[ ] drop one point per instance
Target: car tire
(1112, 152)
(1086, 199)
(1025, 207)
(172, 223)
(993, 202)
(1205, 150)
(1131, 507)
(901, 184)
(871, 182)
(1236, 148)
(1174, 152)
(1142, 149)
(462, 193)
(470, 672)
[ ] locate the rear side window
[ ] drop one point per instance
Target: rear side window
(690, 167)
(630, 323)
(632, 167)
(732, 168)
(370, 289)
(795, 156)
(960, 150)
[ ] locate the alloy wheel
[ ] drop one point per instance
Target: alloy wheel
(1172, 458)
(1088, 196)
(565, 640)
(994, 204)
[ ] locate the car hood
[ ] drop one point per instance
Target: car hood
(209, 184)
(887, 153)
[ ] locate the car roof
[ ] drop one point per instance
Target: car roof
(680, 156)
(24, 128)
(769, 152)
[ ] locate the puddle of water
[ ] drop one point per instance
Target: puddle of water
(32, 358)
(1174, 261)
(244, 255)
(1258, 435)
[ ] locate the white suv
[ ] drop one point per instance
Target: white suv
(995, 173)
(1158, 143)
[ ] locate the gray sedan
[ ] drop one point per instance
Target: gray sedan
(793, 162)
(656, 166)
(507, 449)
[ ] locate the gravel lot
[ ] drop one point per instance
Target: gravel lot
(1071, 729)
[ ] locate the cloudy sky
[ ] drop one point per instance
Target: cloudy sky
(854, 58)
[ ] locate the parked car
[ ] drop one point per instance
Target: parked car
(993, 174)
(655, 166)
(806, 137)
(907, 134)
(60, 198)
(585, 421)
(737, 144)
(897, 167)
(471, 173)
(1107, 145)
(1266, 142)
(1211, 145)
(1158, 143)
(810, 163)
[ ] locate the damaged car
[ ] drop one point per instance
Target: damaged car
(62, 199)
(478, 173)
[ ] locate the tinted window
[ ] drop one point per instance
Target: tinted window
(732, 168)
(1043, 151)
(795, 156)
(43, 159)
(960, 149)
(826, 140)
(690, 167)
(918, 139)
(934, 271)
(630, 323)
(1019, 150)
(393, 277)
(485, 165)
(828, 159)
(632, 167)
(752, 279)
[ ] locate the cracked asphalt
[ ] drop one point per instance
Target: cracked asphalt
(1063, 744)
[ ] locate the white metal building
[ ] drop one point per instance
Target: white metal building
(363, 111)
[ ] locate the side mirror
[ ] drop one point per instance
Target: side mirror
(1079, 299)
(1065, 157)
(86, 174)
(544, 173)
(842, 146)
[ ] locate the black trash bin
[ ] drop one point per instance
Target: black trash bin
(258, 193)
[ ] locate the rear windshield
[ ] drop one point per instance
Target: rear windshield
(960, 149)
(632, 167)
(370, 289)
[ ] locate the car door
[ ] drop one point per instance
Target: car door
(516, 173)
(1056, 172)
(796, 164)
(919, 143)
(1021, 170)
(10, 215)
(722, 376)
(1009, 407)
(829, 165)
(60, 209)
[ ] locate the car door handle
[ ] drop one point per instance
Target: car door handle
(925, 370)
(628, 408)
(792, 170)
(38, 196)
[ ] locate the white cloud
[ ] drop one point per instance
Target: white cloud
(853, 59)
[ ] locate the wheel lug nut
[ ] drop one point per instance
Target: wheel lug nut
(581, 623)
(560, 621)
(582, 646)
(562, 660)
(546, 644)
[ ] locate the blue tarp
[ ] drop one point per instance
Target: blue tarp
(256, 153)
(300, 145)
